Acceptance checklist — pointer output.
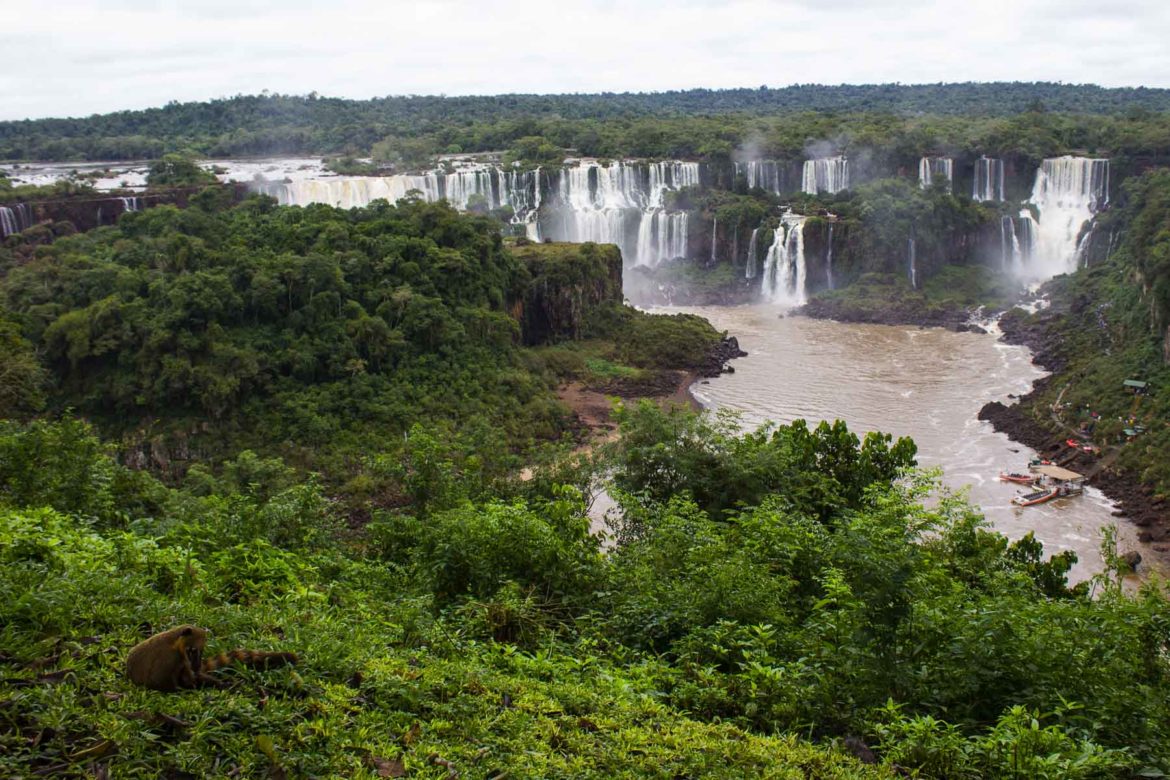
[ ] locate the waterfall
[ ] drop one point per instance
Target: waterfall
(491, 186)
(1016, 238)
(131, 203)
(930, 167)
(622, 202)
(988, 179)
(597, 202)
(827, 174)
(784, 268)
(14, 219)
(662, 236)
(714, 235)
(753, 250)
(1067, 193)
(766, 174)
(829, 257)
(912, 256)
(1008, 247)
(1081, 257)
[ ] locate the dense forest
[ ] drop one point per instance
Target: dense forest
(337, 433)
(303, 429)
(669, 124)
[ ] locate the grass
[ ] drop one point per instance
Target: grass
(385, 688)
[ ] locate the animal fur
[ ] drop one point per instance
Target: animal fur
(173, 659)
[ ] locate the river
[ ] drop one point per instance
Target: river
(928, 384)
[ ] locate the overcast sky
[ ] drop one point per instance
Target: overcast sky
(73, 58)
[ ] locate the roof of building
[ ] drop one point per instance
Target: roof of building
(1134, 383)
(1056, 472)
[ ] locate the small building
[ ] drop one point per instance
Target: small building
(1135, 386)
(1068, 482)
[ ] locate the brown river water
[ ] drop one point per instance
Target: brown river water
(928, 384)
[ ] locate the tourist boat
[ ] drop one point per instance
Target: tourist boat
(1058, 482)
(1019, 479)
(1038, 497)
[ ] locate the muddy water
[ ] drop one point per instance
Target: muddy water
(928, 384)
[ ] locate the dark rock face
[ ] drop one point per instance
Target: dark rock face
(716, 361)
(894, 314)
(567, 281)
(89, 213)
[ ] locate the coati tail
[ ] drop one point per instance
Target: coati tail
(256, 659)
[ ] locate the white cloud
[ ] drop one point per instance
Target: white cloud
(87, 57)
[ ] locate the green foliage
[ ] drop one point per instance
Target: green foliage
(1108, 323)
(533, 150)
(351, 166)
(653, 341)
(176, 170)
(406, 152)
(705, 123)
(22, 378)
(830, 601)
(676, 452)
(61, 465)
(380, 684)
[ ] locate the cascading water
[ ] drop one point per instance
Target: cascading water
(662, 236)
(621, 203)
(1067, 193)
(603, 203)
(988, 179)
(783, 278)
(768, 175)
(14, 219)
(714, 237)
(912, 261)
(131, 204)
(829, 257)
(1016, 239)
(753, 249)
(930, 167)
(491, 187)
(827, 174)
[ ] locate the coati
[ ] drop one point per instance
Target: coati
(174, 659)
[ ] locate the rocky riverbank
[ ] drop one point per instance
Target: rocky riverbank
(956, 319)
(1037, 428)
(951, 300)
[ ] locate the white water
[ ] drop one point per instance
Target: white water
(768, 175)
(614, 202)
(829, 258)
(1067, 193)
(784, 273)
(752, 259)
(15, 218)
(912, 262)
(662, 235)
(827, 174)
(930, 167)
(714, 237)
(466, 185)
(988, 179)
